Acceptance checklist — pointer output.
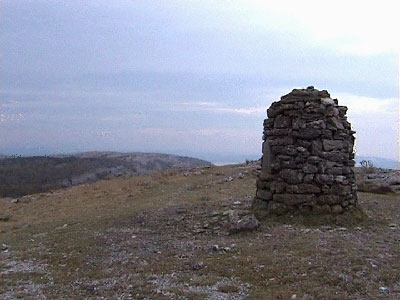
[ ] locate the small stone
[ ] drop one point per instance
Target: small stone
(245, 223)
(308, 178)
(294, 199)
(277, 208)
(327, 199)
(197, 266)
(327, 101)
(215, 248)
(310, 169)
(291, 176)
(337, 209)
(345, 203)
(340, 189)
(307, 134)
(4, 247)
(301, 149)
(337, 123)
(325, 189)
(330, 145)
(278, 187)
(340, 178)
(282, 121)
(264, 194)
(383, 289)
(319, 124)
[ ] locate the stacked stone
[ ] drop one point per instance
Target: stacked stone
(307, 155)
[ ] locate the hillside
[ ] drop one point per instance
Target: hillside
(170, 235)
(26, 175)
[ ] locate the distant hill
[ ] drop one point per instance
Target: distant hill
(379, 162)
(27, 175)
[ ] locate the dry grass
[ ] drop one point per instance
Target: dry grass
(154, 237)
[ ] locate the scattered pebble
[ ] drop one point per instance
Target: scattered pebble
(242, 223)
(218, 249)
(327, 227)
(341, 229)
(227, 179)
(215, 248)
(197, 266)
(62, 227)
(4, 247)
(383, 289)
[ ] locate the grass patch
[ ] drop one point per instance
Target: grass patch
(134, 236)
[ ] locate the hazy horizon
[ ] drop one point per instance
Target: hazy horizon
(189, 77)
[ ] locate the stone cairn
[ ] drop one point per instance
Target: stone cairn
(307, 156)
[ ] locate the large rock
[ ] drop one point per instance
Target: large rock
(239, 222)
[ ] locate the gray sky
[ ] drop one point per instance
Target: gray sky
(188, 77)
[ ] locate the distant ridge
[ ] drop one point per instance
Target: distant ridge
(379, 162)
(27, 175)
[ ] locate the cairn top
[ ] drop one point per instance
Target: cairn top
(309, 92)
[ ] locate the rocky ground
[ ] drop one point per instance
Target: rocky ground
(376, 180)
(190, 234)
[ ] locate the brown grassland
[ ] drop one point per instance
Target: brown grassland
(164, 236)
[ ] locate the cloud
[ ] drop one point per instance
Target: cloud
(207, 132)
(369, 105)
(201, 73)
(6, 117)
(214, 107)
(376, 122)
(352, 27)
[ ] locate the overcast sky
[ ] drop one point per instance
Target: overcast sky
(189, 77)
